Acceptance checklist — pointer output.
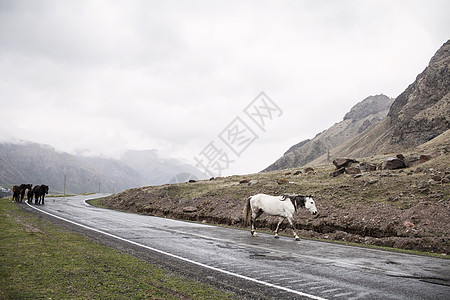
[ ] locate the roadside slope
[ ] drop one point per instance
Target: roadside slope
(404, 209)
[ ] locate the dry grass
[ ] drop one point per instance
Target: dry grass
(370, 209)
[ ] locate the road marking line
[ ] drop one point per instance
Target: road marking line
(268, 284)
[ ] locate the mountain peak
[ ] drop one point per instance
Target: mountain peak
(370, 105)
(361, 117)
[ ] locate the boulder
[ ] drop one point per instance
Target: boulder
(393, 163)
(338, 172)
(411, 160)
(309, 170)
(425, 157)
(282, 181)
(368, 167)
(400, 156)
(436, 177)
(353, 169)
(408, 224)
(341, 162)
(419, 170)
(189, 209)
(422, 185)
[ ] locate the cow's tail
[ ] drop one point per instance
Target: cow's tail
(247, 212)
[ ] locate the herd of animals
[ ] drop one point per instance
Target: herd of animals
(38, 192)
(283, 206)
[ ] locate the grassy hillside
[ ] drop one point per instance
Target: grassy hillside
(405, 209)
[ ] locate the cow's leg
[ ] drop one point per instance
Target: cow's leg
(252, 221)
(22, 196)
(280, 220)
(291, 222)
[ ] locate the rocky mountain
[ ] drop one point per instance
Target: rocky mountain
(361, 117)
(34, 163)
(419, 114)
(422, 111)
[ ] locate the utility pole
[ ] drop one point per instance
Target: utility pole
(64, 185)
(99, 186)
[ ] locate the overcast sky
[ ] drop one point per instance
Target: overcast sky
(101, 77)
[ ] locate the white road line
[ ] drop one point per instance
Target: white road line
(185, 259)
(343, 294)
(330, 291)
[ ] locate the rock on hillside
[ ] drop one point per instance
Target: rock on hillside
(361, 117)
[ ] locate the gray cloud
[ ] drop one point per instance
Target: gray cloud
(102, 77)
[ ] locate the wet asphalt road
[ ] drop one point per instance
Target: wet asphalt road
(257, 267)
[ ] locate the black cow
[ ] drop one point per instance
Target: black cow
(39, 193)
(19, 191)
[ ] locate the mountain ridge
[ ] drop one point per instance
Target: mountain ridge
(362, 116)
(28, 162)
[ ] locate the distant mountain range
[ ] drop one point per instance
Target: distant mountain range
(378, 125)
(28, 162)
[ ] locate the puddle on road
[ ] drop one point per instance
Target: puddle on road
(270, 257)
(265, 255)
